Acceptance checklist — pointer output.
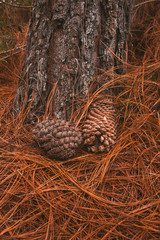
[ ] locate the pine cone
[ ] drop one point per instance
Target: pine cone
(59, 138)
(99, 129)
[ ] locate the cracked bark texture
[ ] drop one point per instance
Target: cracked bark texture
(67, 44)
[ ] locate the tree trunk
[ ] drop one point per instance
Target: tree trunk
(68, 43)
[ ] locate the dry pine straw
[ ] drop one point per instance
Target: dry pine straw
(105, 196)
(93, 196)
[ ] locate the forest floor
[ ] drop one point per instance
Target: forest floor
(114, 195)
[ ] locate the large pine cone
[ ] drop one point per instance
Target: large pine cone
(99, 129)
(59, 138)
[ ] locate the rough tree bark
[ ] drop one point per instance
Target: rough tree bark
(67, 43)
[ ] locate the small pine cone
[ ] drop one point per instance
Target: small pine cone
(99, 129)
(59, 138)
